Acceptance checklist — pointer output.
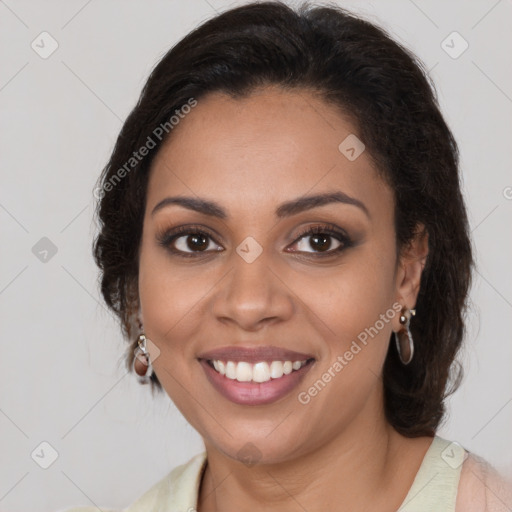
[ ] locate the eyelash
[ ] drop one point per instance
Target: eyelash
(166, 239)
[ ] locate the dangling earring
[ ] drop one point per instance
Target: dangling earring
(403, 338)
(141, 362)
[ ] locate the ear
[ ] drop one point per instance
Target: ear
(411, 263)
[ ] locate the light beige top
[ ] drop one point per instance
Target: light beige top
(450, 479)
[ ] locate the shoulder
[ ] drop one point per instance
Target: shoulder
(176, 491)
(482, 488)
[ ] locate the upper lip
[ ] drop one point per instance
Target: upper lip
(253, 354)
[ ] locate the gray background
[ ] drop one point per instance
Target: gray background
(61, 380)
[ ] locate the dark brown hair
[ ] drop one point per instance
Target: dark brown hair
(356, 67)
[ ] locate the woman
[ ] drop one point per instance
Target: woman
(285, 242)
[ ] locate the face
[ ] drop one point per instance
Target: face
(251, 262)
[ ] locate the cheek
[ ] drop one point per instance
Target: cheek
(173, 298)
(353, 295)
(356, 305)
(171, 302)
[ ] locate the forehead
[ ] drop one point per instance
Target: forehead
(262, 149)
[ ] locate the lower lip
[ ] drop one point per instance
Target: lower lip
(254, 393)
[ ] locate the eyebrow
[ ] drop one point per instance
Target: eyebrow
(286, 209)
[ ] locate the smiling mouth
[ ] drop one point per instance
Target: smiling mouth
(258, 383)
(260, 372)
(255, 375)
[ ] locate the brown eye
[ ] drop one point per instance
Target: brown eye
(192, 242)
(321, 242)
(188, 241)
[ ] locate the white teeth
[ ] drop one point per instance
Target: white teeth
(258, 372)
(231, 370)
(243, 372)
(276, 369)
(261, 372)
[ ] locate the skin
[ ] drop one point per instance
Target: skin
(250, 155)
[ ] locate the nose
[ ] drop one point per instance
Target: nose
(253, 295)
